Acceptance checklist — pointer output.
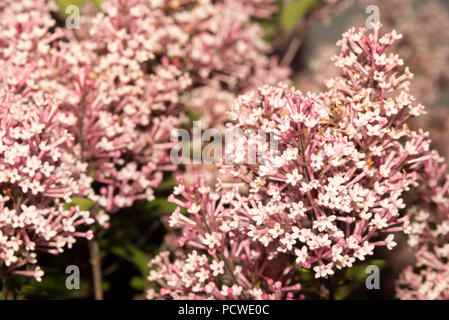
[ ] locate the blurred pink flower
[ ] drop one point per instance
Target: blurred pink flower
(34, 180)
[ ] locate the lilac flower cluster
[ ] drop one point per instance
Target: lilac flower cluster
(34, 180)
(213, 42)
(331, 194)
(155, 59)
(423, 46)
(221, 262)
(88, 113)
(121, 83)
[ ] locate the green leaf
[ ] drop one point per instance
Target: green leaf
(137, 283)
(106, 285)
(1, 296)
(133, 255)
(63, 4)
(310, 285)
(295, 11)
(305, 274)
(268, 29)
(167, 184)
(352, 278)
(97, 2)
(160, 206)
(83, 203)
(53, 287)
(193, 115)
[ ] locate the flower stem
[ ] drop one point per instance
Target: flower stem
(95, 261)
(5, 287)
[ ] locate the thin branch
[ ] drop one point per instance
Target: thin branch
(295, 43)
(300, 32)
(5, 287)
(95, 261)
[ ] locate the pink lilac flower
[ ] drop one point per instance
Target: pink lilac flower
(223, 51)
(119, 110)
(24, 32)
(123, 131)
(216, 49)
(423, 47)
(124, 84)
(332, 191)
(34, 181)
(188, 51)
(220, 261)
(345, 157)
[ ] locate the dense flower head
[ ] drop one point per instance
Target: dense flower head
(156, 56)
(219, 260)
(91, 111)
(199, 54)
(24, 31)
(333, 189)
(88, 113)
(215, 42)
(34, 180)
(423, 46)
(124, 83)
(123, 129)
(120, 117)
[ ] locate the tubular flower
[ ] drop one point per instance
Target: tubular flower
(123, 141)
(424, 46)
(24, 31)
